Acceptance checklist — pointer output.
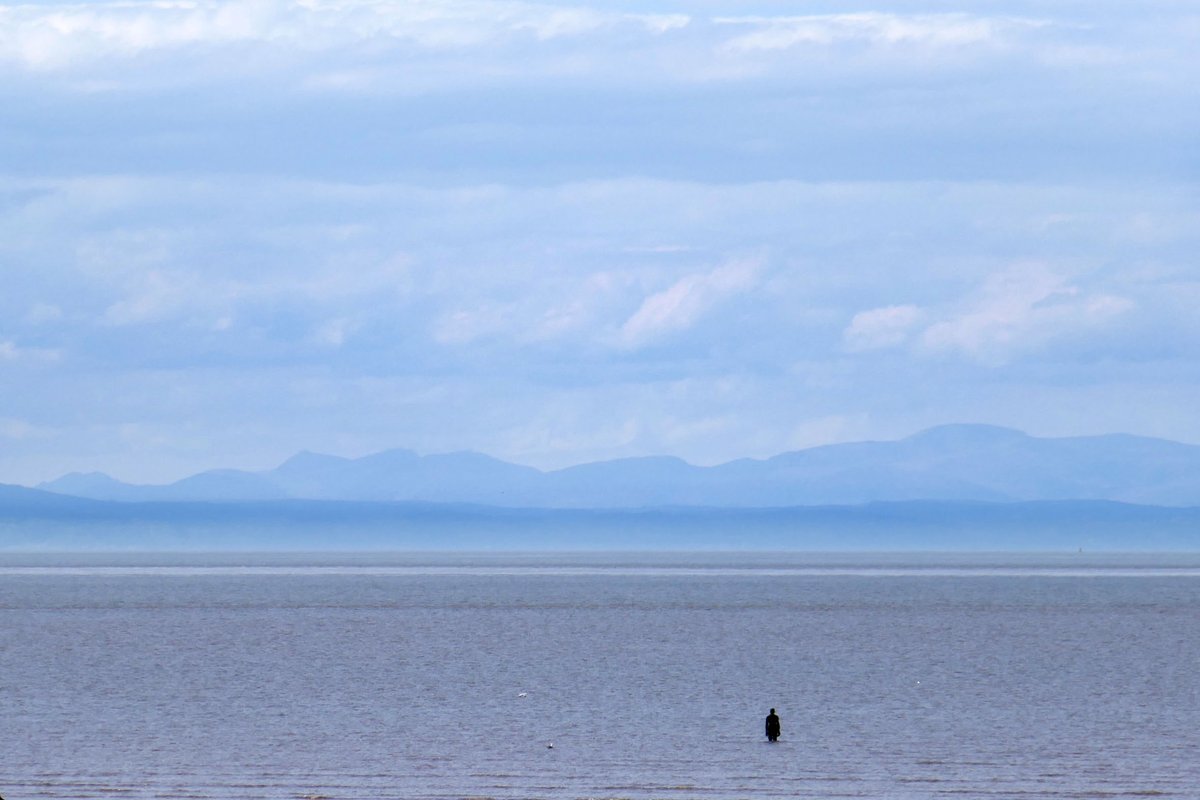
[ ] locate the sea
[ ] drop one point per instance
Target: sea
(599, 675)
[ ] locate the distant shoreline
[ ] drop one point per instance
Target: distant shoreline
(634, 563)
(1046, 526)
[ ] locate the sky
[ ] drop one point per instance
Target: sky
(562, 232)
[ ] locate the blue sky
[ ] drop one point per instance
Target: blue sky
(561, 232)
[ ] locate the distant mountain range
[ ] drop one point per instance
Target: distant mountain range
(949, 463)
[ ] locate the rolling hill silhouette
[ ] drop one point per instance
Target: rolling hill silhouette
(952, 462)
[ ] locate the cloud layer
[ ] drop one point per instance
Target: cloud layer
(558, 232)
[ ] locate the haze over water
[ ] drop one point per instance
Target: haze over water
(449, 676)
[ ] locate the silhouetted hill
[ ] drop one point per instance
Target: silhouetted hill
(21, 500)
(952, 462)
(95, 485)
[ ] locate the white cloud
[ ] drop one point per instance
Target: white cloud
(152, 296)
(561, 320)
(463, 326)
(579, 307)
(13, 352)
(934, 30)
(880, 328)
(682, 304)
(60, 36)
(53, 37)
(1018, 308)
(358, 46)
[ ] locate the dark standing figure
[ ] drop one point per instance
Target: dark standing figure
(772, 726)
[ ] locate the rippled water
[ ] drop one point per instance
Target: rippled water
(448, 677)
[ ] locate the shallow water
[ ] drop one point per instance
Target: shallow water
(448, 676)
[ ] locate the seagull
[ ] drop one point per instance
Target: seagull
(523, 694)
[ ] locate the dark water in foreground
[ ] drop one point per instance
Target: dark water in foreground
(447, 677)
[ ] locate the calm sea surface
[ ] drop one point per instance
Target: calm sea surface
(449, 676)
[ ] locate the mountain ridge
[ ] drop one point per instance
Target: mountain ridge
(959, 462)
